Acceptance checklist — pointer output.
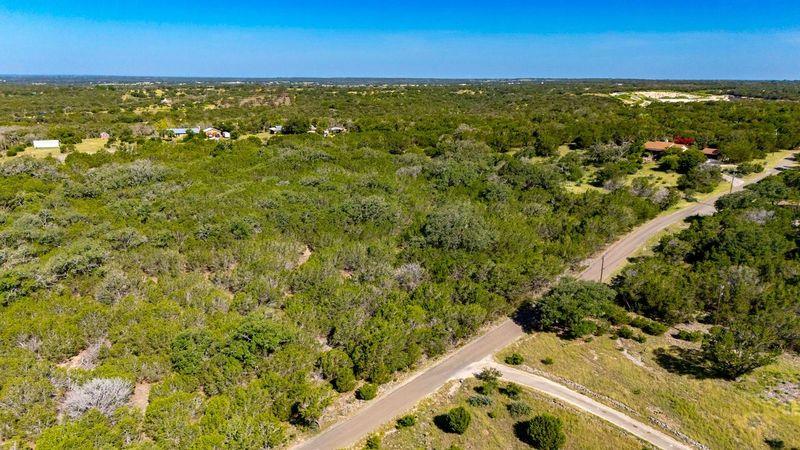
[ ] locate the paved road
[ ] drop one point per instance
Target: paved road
(617, 254)
(403, 397)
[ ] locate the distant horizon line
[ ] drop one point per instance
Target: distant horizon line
(97, 77)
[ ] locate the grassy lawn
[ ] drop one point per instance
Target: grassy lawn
(716, 413)
(91, 145)
(581, 188)
(583, 431)
(33, 153)
(585, 183)
(650, 171)
(262, 136)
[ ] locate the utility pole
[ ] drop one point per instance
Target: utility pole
(602, 266)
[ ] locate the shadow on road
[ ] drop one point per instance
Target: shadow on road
(526, 316)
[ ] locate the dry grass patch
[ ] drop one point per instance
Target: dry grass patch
(716, 413)
(90, 146)
(583, 431)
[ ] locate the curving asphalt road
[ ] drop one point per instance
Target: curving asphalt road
(405, 396)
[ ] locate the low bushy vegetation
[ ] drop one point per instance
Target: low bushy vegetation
(251, 281)
(367, 392)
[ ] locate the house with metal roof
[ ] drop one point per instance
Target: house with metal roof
(184, 131)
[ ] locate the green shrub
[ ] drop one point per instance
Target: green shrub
(548, 361)
(650, 327)
(188, 351)
(489, 374)
(746, 168)
(625, 332)
(487, 387)
(514, 359)
(731, 353)
(457, 226)
(296, 125)
(367, 392)
(569, 307)
(457, 420)
(544, 432)
(689, 336)
(373, 442)
(479, 400)
(690, 159)
(700, 179)
(669, 163)
(407, 421)
(81, 257)
(512, 390)
(600, 329)
(519, 409)
(344, 381)
(338, 368)
(617, 315)
(775, 444)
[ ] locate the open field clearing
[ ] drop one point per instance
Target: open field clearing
(644, 98)
(90, 146)
(628, 376)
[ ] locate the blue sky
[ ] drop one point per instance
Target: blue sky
(615, 38)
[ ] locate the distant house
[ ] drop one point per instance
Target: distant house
(657, 148)
(41, 145)
(276, 129)
(105, 135)
(212, 133)
(711, 152)
(334, 130)
(178, 132)
(226, 135)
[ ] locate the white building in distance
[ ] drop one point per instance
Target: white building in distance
(41, 145)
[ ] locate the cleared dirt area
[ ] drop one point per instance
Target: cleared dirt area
(141, 396)
(90, 146)
(644, 98)
(86, 358)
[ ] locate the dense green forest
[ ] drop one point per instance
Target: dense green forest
(237, 285)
